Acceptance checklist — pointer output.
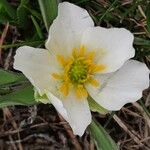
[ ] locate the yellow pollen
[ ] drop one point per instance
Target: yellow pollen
(78, 69)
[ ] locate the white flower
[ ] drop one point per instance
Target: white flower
(83, 60)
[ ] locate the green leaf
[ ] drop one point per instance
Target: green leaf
(8, 8)
(34, 13)
(5, 90)
(21, 96)
(49, 11)
(107, 11)
(37, 27)
(141, 41)
(7, 77)
(4, 17)
(22, 14)
(96, 107)
(109, 118)
(102, 139)
(148, 16)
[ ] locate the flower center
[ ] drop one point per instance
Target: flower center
(77, 70)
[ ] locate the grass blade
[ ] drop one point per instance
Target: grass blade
(37, 27)
(9, 9)
(22, 96)
(49, 11)
(22, 14)
(148, 17)
(141, 41)
(108, 10)
(7, 77)
(101, 138)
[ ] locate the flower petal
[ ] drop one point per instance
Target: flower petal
(37, 65)
(66, 31)
(75, 111)
(113, 46)
(58, 105)
(121, 87)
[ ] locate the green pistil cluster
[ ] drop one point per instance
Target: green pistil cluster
(78, 72)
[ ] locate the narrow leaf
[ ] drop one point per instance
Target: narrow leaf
(22, 14)
(7, 77)
(22, 96)
(8, 8)
(34, 13)
(141, 41)
(49, 11)
(101, 138)
(4, 91)
(148, 17)
(4, 17)
(37, 27)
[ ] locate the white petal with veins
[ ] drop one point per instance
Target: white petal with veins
(113, 46)
(37, 65)
(75, 111)
(123, 86)
(66, 31)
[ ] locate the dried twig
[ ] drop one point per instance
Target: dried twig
(132, 135)
(8, 114)
(44, 136)
(147, 119)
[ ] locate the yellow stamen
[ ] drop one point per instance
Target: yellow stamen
(88, 61)
(75, 53)
(69, 61)
(67, 66)
(94, 82)
(97, 68)
(78, 69)
(90, 55)
(56, 76)
(82, 51)
(64, 88)
(61, 60)
(66, 77)
(81, 91)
